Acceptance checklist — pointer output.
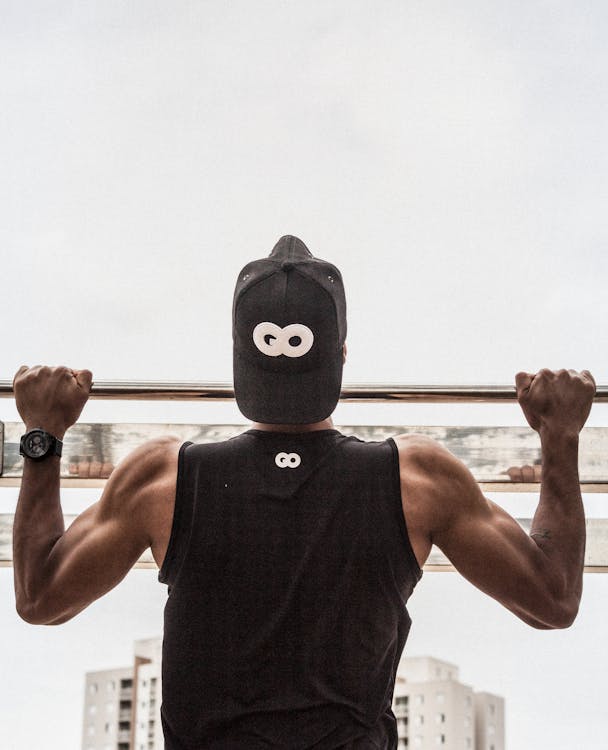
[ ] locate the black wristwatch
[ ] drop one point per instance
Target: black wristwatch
(38, 445)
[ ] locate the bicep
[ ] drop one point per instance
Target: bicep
(104, 542)
(93, 555)
(491, 550)
(445, 506)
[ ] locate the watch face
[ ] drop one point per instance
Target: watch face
(36, 444)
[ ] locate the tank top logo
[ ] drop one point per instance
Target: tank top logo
(295, 340)
(287, 460)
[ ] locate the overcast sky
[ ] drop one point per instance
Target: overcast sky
(450, 158)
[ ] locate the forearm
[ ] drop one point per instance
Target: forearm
(558, 527)
(37, 526)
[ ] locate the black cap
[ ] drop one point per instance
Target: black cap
(288, 330)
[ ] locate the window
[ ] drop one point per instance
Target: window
(440, 739)
(91, 730)
(440, 697)
(419, 720)
(92, 710)
(93, 688)
(439, 718)
(492, 709)
(110, 706)
(111, 686)
(419, 699)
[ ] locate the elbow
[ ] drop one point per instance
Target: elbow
(34, 615)
(27, 612)
(560, 617)
(567, 615)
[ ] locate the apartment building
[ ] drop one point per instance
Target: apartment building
(122, 706)
(436, 711)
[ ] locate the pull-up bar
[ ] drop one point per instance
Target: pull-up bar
(161, 390)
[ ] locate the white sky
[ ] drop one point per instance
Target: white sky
(451, 159)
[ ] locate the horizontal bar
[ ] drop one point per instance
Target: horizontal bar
(498, 456)
(367, 392)
(506, 486)
(596, 552)
(427, 568)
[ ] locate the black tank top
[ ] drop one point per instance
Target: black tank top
(288, 569)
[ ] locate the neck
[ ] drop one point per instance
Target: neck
(326, 424)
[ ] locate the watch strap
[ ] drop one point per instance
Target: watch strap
(58, 447)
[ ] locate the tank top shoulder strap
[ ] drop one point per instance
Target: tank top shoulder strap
(182, 522)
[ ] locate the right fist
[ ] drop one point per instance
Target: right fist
(51, 398)
(556, 399)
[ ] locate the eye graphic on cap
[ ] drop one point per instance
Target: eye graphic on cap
(295, 340)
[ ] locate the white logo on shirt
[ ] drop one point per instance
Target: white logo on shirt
(273, 340)
(287, 460)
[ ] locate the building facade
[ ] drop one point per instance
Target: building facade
(122, 706)
(437, 712)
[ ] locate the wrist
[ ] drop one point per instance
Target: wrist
(558, 436)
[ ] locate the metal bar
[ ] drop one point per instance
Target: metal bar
(193, 391)
(427, 568)
(506, 486)
(596, 552)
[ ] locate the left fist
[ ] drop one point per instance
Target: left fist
(51, 398)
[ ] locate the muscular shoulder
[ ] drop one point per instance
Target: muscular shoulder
(142, 474)
(427, 459)
(435, 484)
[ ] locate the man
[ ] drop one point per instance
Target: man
(290, 551)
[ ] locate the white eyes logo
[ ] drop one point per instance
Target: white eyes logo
(287, 460)
(273, 340)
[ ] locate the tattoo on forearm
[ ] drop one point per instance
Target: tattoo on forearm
(541, 533)
(541, 537)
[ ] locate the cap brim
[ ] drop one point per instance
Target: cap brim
(287, 398)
